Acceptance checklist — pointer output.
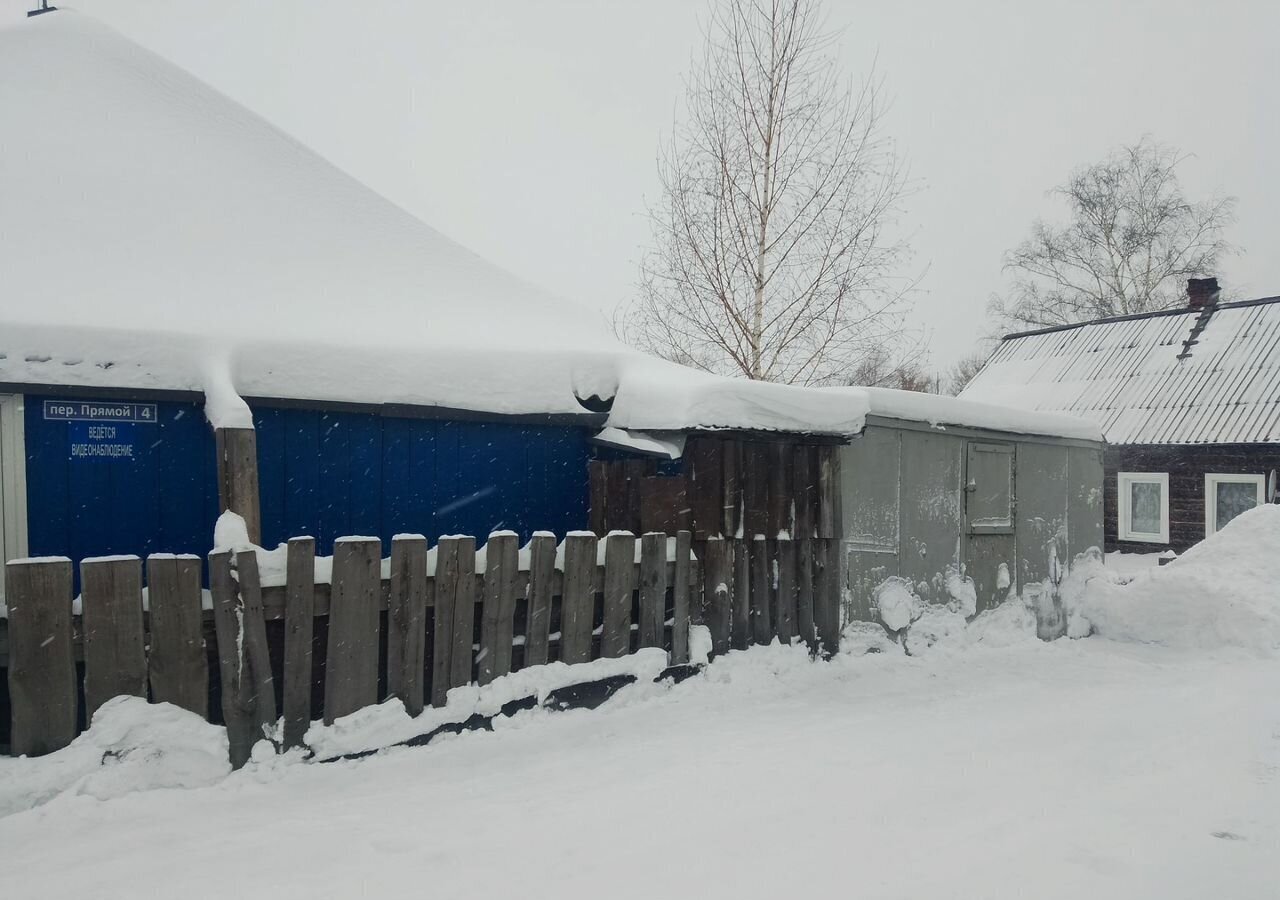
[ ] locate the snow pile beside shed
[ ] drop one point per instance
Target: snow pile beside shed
(1220, 593)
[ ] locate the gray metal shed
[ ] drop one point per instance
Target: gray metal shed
(935, 487)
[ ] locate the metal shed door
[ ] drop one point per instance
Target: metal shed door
(989, 511)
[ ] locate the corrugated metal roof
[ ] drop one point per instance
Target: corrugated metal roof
(1125, 374)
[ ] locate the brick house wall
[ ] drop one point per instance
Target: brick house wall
(1187, 465)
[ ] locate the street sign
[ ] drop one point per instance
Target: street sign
(99, 411)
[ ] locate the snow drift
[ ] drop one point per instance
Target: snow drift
(1223, 592)
(132, 746)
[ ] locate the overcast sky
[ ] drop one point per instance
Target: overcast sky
(527, 129)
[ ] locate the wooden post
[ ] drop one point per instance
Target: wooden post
(261, 682)
(177, 663)
(578, 604)
(761, 589)
(740, 630)
(351, 667)
(653, 589)
(299, 620)
(407, 621)
(680, 598)
(232, 659)
(619, 589)
(785, 560)
(42, 671)
(115, 658)
(237, 450)
(502, 563)
(717, 589)
(542, 570)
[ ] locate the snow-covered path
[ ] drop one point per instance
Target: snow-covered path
(1079, 768)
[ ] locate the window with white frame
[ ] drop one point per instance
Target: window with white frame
(1144, 507)
(1226, 496)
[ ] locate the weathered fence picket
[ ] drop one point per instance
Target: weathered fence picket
(177, 660)
(717, 569)
(744, 590)
(233, 663)
(502, 564)
(542, 570)
(680, 598)
(115, 658)
(351, 676)
(407, 621)
(253, 635)
(653, 589)
(42, 669)
(299, 625)
(619, 585)
(578, 604)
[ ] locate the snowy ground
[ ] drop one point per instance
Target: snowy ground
(1057, 770)
(994, 765)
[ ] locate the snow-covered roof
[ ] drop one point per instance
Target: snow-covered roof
(155, 234)
(1174, 377)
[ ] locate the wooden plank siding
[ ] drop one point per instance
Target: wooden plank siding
(1187, 466)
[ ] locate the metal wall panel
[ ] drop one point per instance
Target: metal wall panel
(869, 485)
(932, 479)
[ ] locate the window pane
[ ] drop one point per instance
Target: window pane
(1234, 498)
(1144, 507)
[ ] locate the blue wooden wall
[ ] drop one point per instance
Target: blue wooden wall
(326, 474)
(330, 474)
(164, 499)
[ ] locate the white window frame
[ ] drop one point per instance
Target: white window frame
(1124, 495)
(13, 481)
(1211, 482)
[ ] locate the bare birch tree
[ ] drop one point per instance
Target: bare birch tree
(1132, 241)
(772, 254)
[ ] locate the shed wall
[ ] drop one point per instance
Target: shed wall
(907, 512)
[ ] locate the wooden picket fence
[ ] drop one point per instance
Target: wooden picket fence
(437, 621)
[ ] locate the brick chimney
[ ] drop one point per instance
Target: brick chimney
(1202, 292)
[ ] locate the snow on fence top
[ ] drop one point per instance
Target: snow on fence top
(154, 234)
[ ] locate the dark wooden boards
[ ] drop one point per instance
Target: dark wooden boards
(740, 585)
(351, 668)
(177, 661)
(761, 591)
(299, 624)
(115, 659)
(42, 672)
(407, 621)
